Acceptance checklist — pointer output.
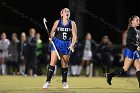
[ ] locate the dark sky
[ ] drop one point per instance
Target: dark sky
(113, 12)
(116, 12)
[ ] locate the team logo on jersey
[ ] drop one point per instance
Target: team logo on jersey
(64, 29)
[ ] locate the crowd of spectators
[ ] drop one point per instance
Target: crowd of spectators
(29, 55)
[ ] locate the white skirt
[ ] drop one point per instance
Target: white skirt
(4, 54)
(87, 55)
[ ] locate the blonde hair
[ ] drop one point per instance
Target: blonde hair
(131, 19)
(61, 12)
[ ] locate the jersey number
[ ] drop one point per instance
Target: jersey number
(64, 35)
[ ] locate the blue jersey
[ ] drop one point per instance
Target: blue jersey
(62, 38)
(64, 32)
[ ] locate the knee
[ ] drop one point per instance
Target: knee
(64, 65)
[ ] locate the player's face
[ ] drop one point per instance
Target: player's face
(32, 32)
(105, 39)
(136, 21)
(88, 36)
(3, 36)
(23, 37)
(38, 36)
(14, 37)
(66, 13)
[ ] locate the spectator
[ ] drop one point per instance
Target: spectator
(31, 51)
(4, 44)
(105, 50)
(13, 54)
(88, 48)
(75, 60)
(39, 53)
(39, 45)
(22, 51)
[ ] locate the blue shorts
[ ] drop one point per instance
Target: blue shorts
(131, 54)
(61, 46)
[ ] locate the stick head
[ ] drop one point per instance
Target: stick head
(44, 21)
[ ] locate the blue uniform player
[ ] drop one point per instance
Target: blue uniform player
(131, 55)
(64, 36)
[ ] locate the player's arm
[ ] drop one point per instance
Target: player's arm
(74, 33)
(74, 36)
(52, 33)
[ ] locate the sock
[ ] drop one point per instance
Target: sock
(50, 72)
(138, 77)
(119, 71)
(91, 70)
(76, 70)
(23, 69)
(20, 69)
(73, 70)
(3, 67)
(87, 70)
(64, 74)
(79, 70)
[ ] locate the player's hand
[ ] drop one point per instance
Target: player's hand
(138, 48)
(71, 47)
(50, 38)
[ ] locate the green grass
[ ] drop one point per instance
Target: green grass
(19, 84)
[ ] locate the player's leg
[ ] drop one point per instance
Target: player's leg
(34, 65)
(137, 66)
(3, 66)
(51, 69)
(91, 69)
(88, 68)
(80, 67)
(120, 71)
(64, 64)
(52, 64)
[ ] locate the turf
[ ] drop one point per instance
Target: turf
(20, 84)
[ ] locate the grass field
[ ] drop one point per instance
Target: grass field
(19, 84)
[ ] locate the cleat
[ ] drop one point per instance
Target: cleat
(109, 78)
(46, 85)
(65, 85)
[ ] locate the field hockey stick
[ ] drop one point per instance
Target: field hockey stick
(44, 21)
